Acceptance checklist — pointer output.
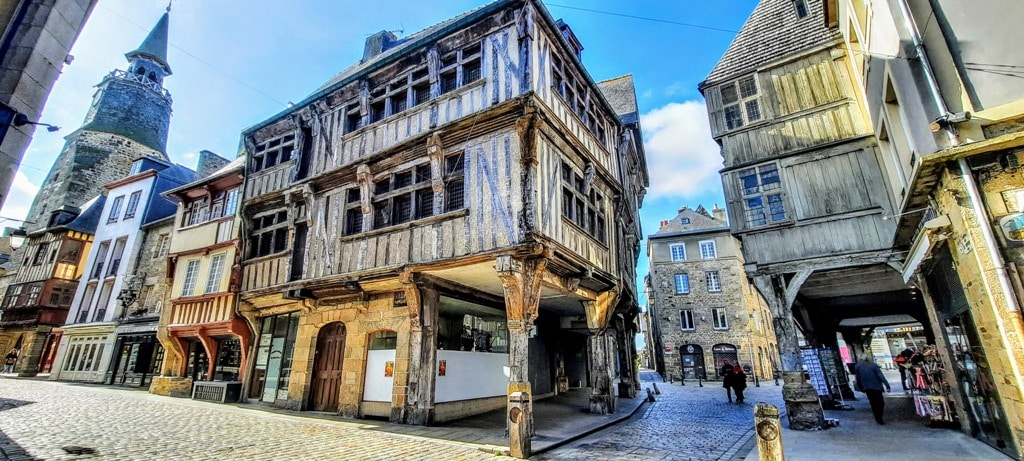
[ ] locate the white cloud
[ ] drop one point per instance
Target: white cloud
(18, 201)
(682, 158)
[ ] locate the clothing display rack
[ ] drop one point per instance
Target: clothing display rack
(930, 391)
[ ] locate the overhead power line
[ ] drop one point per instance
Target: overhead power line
(642, 18)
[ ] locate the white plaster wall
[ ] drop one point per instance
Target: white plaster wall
(378, 388)
(470, 375)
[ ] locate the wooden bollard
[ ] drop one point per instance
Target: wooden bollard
(768, 431)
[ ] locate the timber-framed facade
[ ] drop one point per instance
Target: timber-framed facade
(442, 210)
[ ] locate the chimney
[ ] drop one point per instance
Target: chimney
(719, 213)
(378, 43)
(664, 223)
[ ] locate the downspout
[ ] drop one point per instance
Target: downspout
(929, 73)
(1000, 269)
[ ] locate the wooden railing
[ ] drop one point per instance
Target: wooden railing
(202, 310)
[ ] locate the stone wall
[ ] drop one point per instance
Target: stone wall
(149, 268)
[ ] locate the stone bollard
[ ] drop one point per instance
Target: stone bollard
(769, 432)
(650, 396)
(656, 391)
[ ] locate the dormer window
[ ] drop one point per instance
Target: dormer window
(739, 102)
(684, 221)
(801, 8)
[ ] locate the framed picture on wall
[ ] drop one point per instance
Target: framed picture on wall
(389, 369)
(442, 367)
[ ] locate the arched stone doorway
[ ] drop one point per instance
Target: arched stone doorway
(692, 358)
(327, 367)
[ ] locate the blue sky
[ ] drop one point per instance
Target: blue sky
(233, 68)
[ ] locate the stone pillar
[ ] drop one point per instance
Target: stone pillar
(521, 280)
(423, 304)
(31, 351)
(802, 406)
(602, 362)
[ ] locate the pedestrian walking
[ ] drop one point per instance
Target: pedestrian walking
(739, 382)
(10, 360)
(870, 381)
(727, 377)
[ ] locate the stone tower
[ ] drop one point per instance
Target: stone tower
(129, 118)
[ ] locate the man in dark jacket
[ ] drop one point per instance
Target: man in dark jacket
(739, 382)
(727, 379)
(870, 381)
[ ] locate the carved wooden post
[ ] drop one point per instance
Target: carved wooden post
(521, 279)
(602, 396)
(768, 432)
(364, 178)
(802, 406)
(423, 310)
(435, 152)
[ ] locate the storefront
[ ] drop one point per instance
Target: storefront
(137, 358)
(273, 365)
(972, 370)
(692, 358)
(723, 353)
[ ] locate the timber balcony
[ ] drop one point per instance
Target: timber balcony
(202, 309)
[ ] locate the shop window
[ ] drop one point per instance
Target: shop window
(273, 365)
(229, 360)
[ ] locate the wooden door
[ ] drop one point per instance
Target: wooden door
(327, 367)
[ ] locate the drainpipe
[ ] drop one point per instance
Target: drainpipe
(929, 73)
(1000, 269)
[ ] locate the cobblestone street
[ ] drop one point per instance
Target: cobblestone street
(686, 423)
(39, 419)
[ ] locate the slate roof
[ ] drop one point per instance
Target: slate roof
(621, 94)
(88, 220)
(699, 221)
(155, 44)
(772, 32)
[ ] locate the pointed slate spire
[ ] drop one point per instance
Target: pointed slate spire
(154, 46)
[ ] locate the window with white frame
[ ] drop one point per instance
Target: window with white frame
(678, 252)
(802, 10)
(188, 285)
(115, 209)
(761, 187)
(686, 319)
(133, 204)
(164, 243)
(707, 249)
(740, 103)
(713, 281)
(720, 318)
(682, 284)
(216, 272)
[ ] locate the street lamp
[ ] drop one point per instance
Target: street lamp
(18, 237)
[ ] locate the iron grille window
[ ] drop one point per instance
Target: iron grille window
(399, 198)
(454, 184)
(41, 252)
(269, 234)
(762, 195)
(583, 209)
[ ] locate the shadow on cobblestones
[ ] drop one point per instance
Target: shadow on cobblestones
(9, 450)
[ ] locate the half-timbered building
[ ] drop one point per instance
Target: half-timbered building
(439, 224)
(207, 342)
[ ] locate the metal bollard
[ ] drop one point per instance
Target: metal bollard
(768, 432)
(656, 390)
(650, 396)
